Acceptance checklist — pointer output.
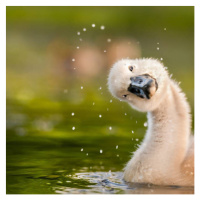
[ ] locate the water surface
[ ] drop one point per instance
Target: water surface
(69, 162)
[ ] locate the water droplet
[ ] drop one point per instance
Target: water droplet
(86, 154)
(165, 29)
(102, 27)
(93, 103)
(110, 128)
(157, 42)
(125, 113)
(81, 39)
(145, 124)
(158, 48)
(109, 173)
(101, 151)
(161, 58)
(136, 139)
(100, 116)
(93, 25)
(84, 29)
(73, 128)
(104, 51)
(136, 122)
(82, 149)
(100, 88)
(78, 33)
(108, 40)
(117, 155)
(111, 101)
(117, 147)
(77, 47)
(81, 87)
(72, 114)
(132, 131)
(73, 59)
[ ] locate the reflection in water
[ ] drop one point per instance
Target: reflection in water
(112, 183)
(76, 165)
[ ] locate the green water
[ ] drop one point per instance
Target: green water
(43, 150)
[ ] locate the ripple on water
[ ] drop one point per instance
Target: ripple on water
(112, 183)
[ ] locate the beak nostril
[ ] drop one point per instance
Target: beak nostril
(140, 81)
(136, 80)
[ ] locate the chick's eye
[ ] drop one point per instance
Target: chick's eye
(130, 68)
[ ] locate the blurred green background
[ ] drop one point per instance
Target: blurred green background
(61, 119)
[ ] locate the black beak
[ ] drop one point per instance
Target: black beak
(143, 86)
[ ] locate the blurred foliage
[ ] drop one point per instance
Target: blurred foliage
(45, 86)
(132, 18)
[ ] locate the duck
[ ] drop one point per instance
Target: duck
(166, 154)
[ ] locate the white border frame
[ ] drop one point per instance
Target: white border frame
(5, 3)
